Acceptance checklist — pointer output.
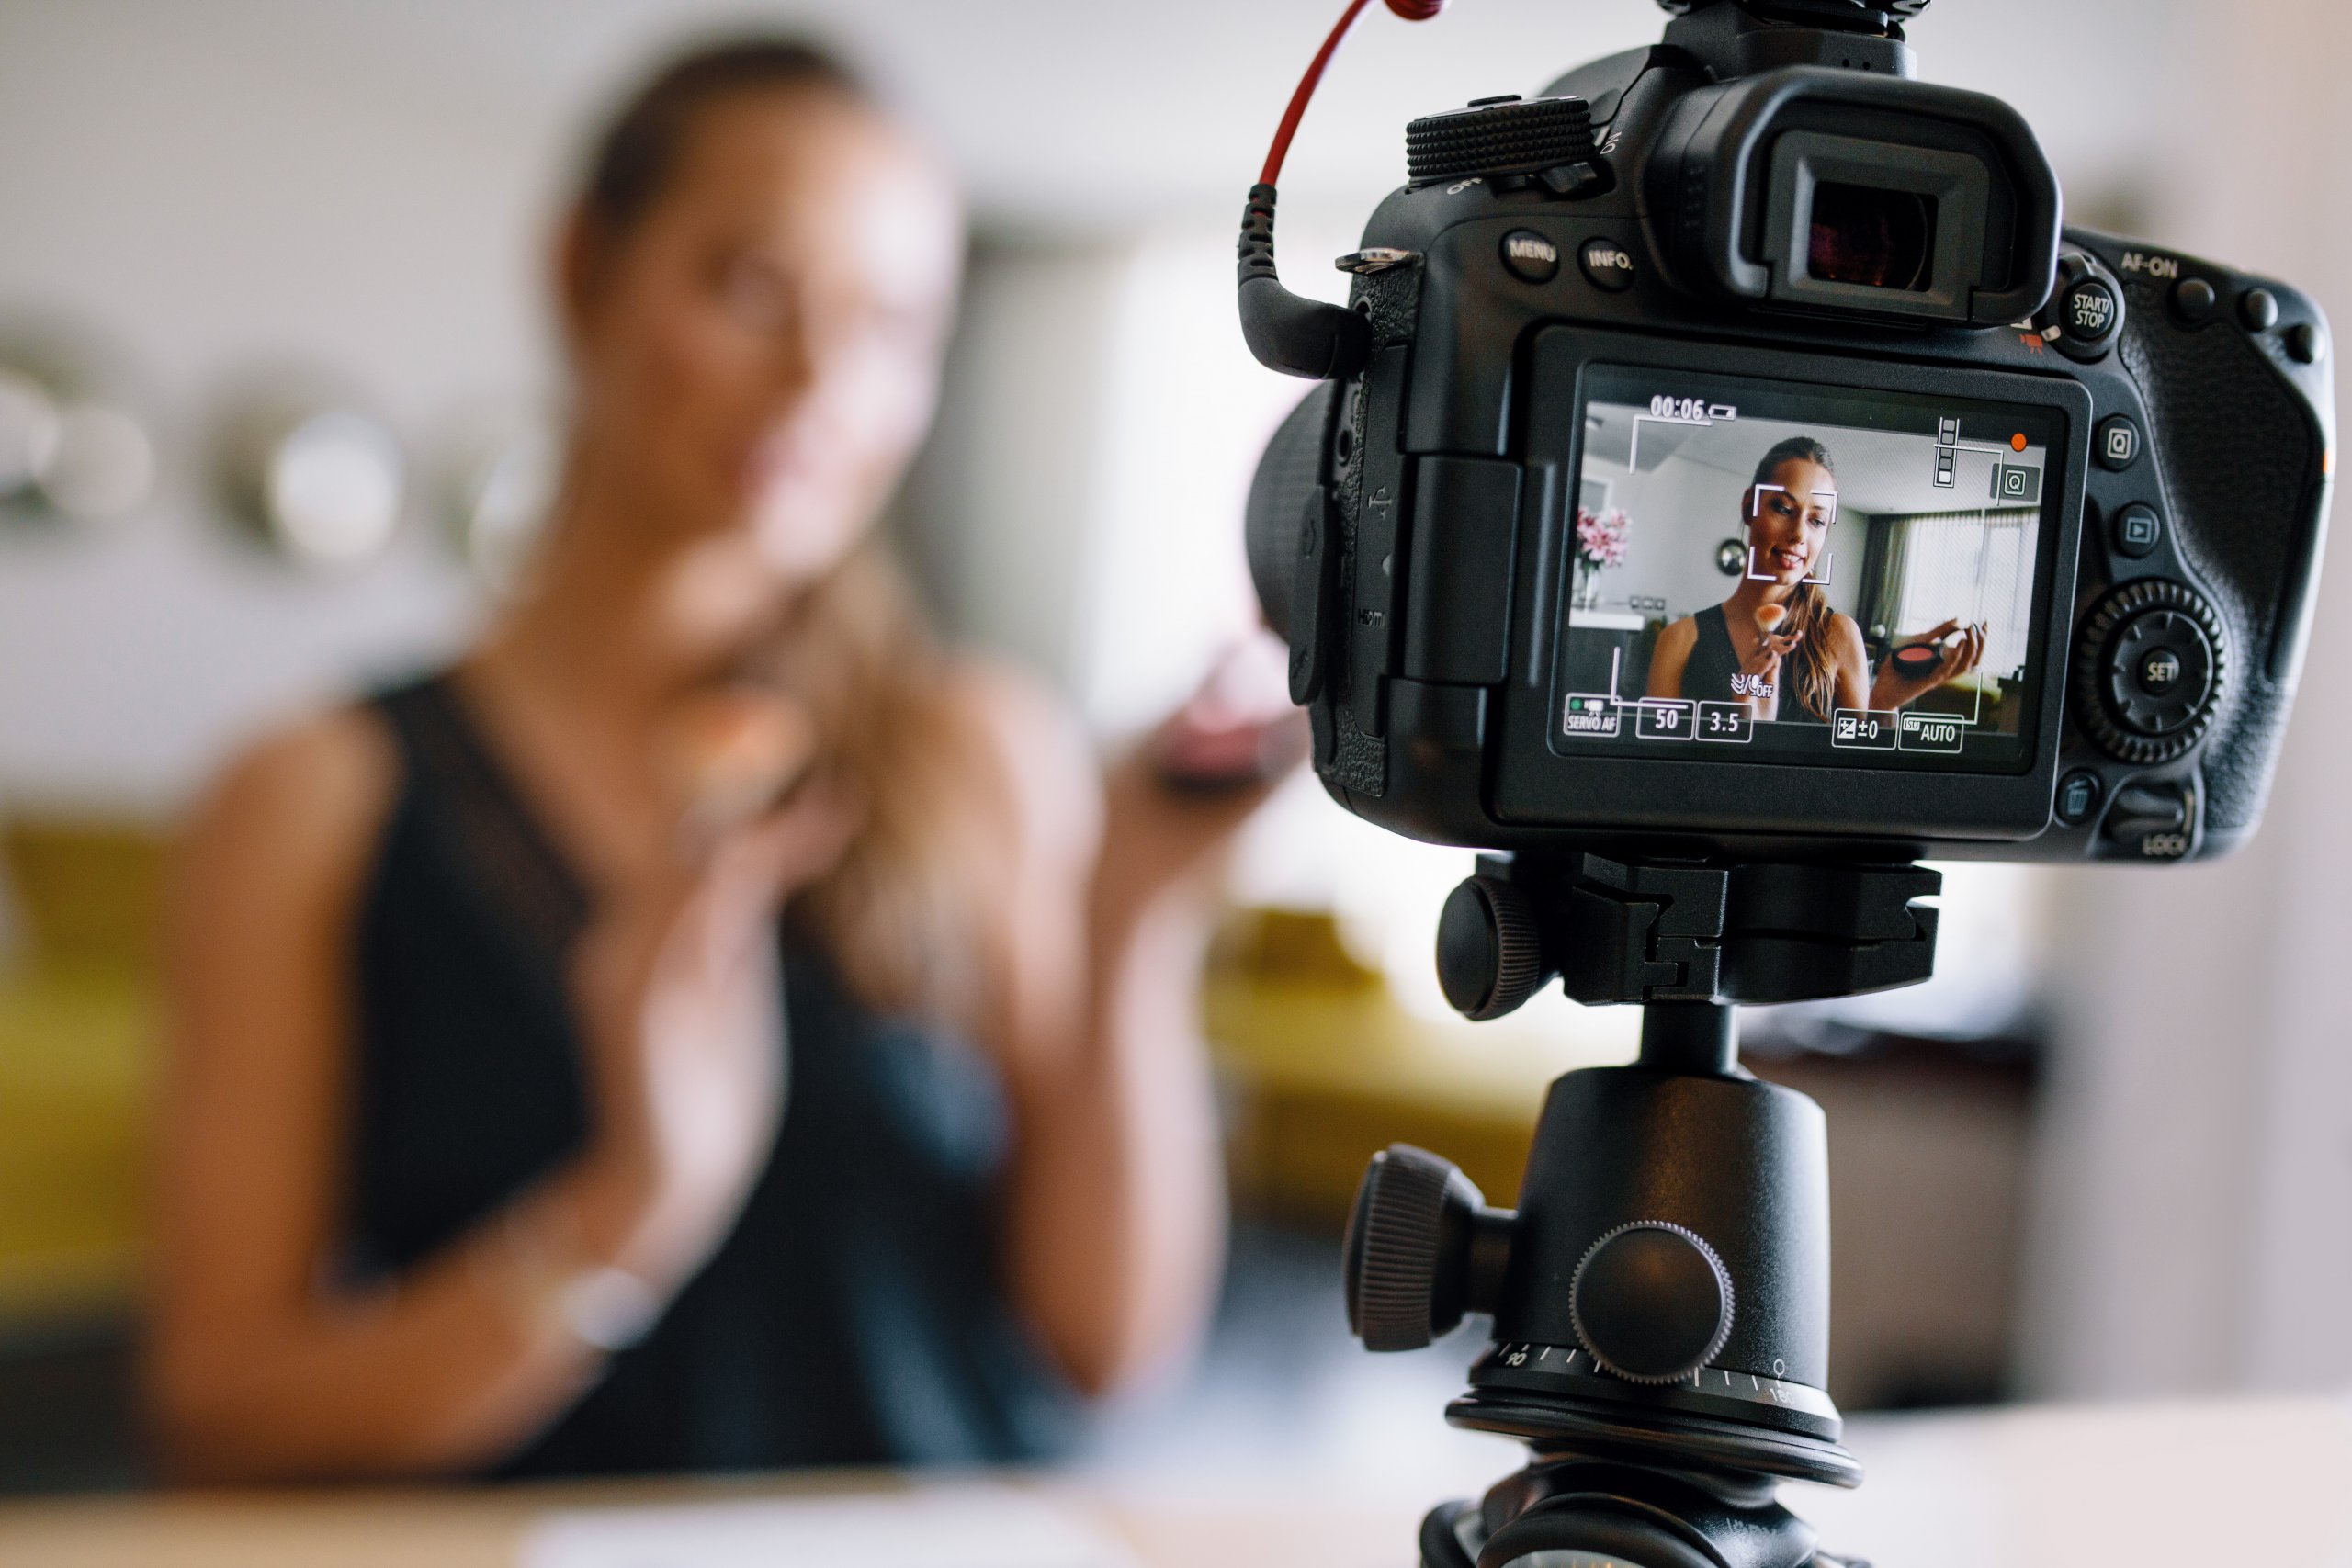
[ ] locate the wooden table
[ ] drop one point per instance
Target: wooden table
(2147, 1487)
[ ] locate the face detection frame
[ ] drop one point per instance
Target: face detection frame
(1752, 506)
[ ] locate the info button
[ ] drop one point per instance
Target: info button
(1607, 264)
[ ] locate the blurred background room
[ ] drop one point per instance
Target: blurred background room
(279, 397)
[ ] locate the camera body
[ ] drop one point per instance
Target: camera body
(1747, 462)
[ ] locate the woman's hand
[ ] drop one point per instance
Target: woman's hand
(1176, 799)
(1962, 648)
(677, 992)
(1761, 667)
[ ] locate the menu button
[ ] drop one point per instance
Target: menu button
(1530, 256)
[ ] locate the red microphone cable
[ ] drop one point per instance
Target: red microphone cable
(1301, 337)
(1411, 10)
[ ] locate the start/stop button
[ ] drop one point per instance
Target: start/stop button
(2086, 314)
(2089, 313)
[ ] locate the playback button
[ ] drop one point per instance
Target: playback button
(2136, 531)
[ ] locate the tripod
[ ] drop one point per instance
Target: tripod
(1660, 1296)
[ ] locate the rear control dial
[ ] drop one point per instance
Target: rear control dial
(2149, 669)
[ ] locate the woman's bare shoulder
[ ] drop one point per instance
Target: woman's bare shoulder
(1035, 748)
(1679, 635)
(297, 811)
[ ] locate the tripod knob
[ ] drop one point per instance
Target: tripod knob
(1422, 1248)
(1652, 1302)
(1489, 949)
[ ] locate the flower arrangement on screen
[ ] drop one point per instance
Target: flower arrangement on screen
(1600, 536)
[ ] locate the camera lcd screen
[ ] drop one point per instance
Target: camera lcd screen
(1766, 571)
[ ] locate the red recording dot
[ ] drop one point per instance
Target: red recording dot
(2017, 442)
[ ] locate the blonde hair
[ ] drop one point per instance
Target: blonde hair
(901, 914)
(1810, 668)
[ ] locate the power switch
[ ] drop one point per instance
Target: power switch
(2142, 809)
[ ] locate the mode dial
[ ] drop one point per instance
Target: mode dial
(1550, 139)
(1422, 1248)
(1652, 1302)
(2150, 668)
(1819, 12)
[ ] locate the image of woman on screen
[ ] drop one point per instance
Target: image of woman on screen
(1776, 646)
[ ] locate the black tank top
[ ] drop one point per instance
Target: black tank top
(856, 1315)
(1706, 675)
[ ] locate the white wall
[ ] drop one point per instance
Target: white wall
(2197, 1184)
(212, 201)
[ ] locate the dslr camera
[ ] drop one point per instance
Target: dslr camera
(1729, 484)
(1730, 447)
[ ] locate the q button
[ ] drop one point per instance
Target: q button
(1607, 264)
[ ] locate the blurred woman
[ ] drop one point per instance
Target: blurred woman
(710, 1026)
(1775, 646)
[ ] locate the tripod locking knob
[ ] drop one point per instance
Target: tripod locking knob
(1489, 948)
(1651, 1302)
(1422, 1249)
